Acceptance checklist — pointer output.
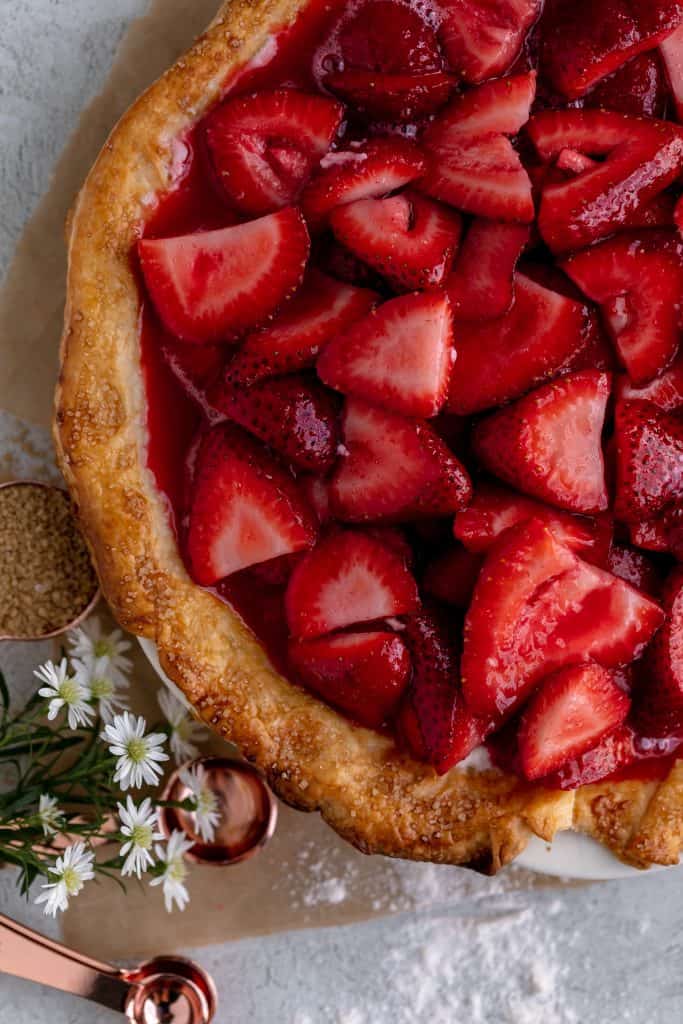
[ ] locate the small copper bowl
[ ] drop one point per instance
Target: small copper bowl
(90, 604)
(246, 805)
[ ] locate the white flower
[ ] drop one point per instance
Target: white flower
(206, 812)
(51, 818)
(185, 731)
(138, 755)
(71, 871)
(90, 643)
(104, 685)
(64, 690)
(141, 828)
(175, 870)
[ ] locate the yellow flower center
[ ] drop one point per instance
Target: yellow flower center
(136, 748)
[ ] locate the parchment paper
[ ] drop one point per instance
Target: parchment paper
(306, 876)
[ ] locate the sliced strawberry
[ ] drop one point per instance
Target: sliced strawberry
(636, 568)
(472, 165)
(616, 752)
(245, 507)
(671, 50)
(387, 36)
(640, 158)
(571, 712)
(400, 356)
(481, 285)
(397, 97)
(320, 309)
(638, 87)
(409, 239)
(660, 700)
(434, 691)
(481, 39)
(495, 509)
(541, 332)
(548, 444)
(265, 146)
(649, 461)
(638, 280)
(582, 41)
(215, 285)
(537, 608)
(197, 367)
(451, 576)
(501, 107)
(665, 391)
(366, 172)
(350, 577)
(363, 674)
(394, 469)
(295, 416)
(315, 491)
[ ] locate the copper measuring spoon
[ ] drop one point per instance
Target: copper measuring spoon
(165, 990)
(248, 811)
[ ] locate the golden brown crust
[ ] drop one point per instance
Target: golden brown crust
(378, 799)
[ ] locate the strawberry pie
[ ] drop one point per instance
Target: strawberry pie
(371, 402)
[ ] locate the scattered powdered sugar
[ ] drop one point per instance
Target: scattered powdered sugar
(329, 890)
(479, 950)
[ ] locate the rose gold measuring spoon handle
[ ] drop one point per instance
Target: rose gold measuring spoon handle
(27, 954)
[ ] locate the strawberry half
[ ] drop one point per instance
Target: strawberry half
(537, 608)
(399, 356)
(640, 158)
(660, 705)
(434, 692)
(649, 461)
(319, 310)
(494, 509)
(245, 508)
(451, 576)
(397, 97)
(472, 165)
(481, 285)
(638, 280)
(295, 416)
(350, 577)
(264, 147)
(617, 751)
(408, 239)
(665, 391)
(215, 285)
(363, 674)
(481, 39)
(387, 36)
(571, 712)
(582, 41)
(548, 444)
(366, 172)
(539, 335)
(394, 468)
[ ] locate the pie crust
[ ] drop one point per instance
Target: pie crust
(377, 798)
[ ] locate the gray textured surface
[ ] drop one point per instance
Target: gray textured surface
(610, 953)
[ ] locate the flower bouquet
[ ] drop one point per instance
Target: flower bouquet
(81, 771)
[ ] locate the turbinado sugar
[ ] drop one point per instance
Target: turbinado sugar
(46, 576)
